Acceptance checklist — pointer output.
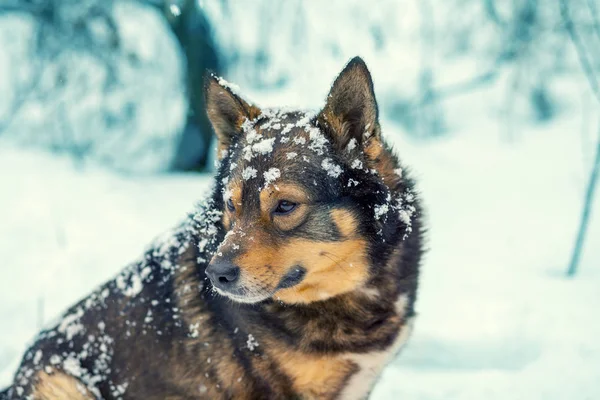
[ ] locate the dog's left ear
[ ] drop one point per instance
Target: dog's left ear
(226, 111)
(351, 109)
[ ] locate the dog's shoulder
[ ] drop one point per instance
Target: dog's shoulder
(113, 329)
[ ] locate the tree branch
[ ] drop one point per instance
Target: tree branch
(585, 215)
(586, 64)
(582, 53)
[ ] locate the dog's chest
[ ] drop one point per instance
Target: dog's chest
(342, 376)
(370, 365)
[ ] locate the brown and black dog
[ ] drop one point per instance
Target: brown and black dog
(295, 279)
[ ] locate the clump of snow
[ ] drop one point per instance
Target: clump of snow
(271, 175)
(352, 182)
(332, 169)
(251, 135)
(318, 141)
(72, 366)
(381, 210)
(406, 210)
(287, 128)
(265, 146)
(70, 325)
(251, 343)
(351, 145)
(291, 155)
(299, 140)
(356, 164)
(247, 128)
(249, 173)
(194, 330)
(38, 357)
(235, 89)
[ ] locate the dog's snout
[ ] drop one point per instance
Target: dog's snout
(223, 275)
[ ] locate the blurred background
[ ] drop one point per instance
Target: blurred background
(104, 143)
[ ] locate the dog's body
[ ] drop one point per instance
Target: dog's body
(312, 239)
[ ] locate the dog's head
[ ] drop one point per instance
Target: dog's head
(304, 197)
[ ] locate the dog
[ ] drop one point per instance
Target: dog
(296, 278)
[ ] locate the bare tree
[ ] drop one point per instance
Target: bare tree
(63, 28)
(123, 77)
(587, 64)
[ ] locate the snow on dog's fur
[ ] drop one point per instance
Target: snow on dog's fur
(296, 278)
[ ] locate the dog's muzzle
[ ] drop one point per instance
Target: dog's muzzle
(223, 275)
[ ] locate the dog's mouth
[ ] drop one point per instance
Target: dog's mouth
(249, 298)
(292, 278)
(249, 294)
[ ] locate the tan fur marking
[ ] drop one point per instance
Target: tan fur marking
(336, 124)
(253, 111)
(314, 377)
(345, 222)
(382, 161)
(270, 197)
(59, 386)
(236, 197)
(332, 268)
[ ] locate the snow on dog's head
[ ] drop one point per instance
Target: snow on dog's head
(307, 199)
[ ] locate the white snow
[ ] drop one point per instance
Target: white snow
(265, 146)
(251, 343)
(271, 175)
(249, 173)
(496, 319)
(332, 169)
(356, 164)
(381, 210)
(70, 324)
(351, 145)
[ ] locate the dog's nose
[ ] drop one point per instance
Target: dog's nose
(222, 274)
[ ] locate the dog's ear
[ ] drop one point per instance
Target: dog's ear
(351, 109)
(226, 111)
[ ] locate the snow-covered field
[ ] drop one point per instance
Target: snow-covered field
(497, 317)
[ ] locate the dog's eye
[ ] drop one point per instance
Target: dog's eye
(285, 207)
(230, 205)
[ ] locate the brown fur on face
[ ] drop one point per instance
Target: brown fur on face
(331, 268)
(255, 246)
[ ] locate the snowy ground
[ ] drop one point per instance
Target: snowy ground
(498, 320)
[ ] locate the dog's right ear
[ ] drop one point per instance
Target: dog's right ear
(351, 109)
(226, 111)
